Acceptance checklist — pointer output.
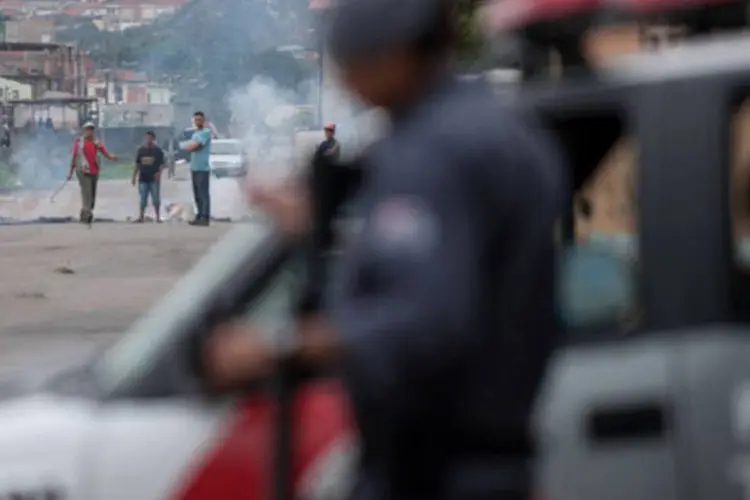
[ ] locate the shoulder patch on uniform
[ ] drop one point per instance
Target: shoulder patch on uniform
(404, 223)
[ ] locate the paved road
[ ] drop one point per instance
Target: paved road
(64, 286)
(118, 200)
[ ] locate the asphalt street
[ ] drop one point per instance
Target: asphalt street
(118, 199)
(65, 287)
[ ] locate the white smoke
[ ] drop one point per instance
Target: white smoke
(41, 160)
(39, 164)
(262, 112)
(261, 116)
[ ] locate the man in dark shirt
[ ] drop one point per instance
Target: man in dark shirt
(444, 318)
(329, 150)
(149, 162)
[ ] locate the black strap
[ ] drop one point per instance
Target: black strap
(332, 185)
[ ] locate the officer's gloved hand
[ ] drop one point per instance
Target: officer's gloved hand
(287, 204)
(236, 354)
(233, 355)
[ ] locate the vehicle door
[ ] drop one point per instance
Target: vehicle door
(159, 435)
(662, 413)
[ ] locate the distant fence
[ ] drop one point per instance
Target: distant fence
(41, 157)
(124, 141)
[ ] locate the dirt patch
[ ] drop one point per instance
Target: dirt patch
(94, 281)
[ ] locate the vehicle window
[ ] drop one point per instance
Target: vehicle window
(604, 44)
(598, 270)
(225, 148)
(740, 183)
(163, 332)
(739, 192)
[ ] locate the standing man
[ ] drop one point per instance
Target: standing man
(199, 147)
(149, 162)
(329, 150)
(86, 163)
(444, 320)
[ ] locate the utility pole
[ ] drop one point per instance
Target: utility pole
(321, 72)
(76, 77)
(321, 66)
(106, 86)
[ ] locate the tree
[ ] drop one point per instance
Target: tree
(470, 40)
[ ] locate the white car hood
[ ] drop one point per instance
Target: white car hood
(37, 412)
(41, 443)
(234, 159)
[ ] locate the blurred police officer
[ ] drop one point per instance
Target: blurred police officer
(329, 150)
(445, 318)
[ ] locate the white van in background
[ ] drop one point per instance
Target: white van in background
(227, 158)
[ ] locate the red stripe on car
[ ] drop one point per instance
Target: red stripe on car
(239, 466)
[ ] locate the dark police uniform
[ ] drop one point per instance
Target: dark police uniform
(446, 306)
(325, 151)
(447, 309)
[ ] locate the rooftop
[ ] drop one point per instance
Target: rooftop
(30, 46)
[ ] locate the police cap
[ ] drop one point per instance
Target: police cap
(361, 29)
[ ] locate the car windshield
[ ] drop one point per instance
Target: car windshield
(165, 325)
(226, 148)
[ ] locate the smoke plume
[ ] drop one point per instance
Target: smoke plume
(263, 118)
(41, 160)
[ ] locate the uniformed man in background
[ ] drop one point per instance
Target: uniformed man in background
(329, 150)
(445, 319)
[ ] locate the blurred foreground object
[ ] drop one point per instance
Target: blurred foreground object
(427, 191)
(556, 33)
(663, 322)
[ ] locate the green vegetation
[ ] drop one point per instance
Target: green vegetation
(470, 40)
(114, 171)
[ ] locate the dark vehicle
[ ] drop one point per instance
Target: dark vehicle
(654, 404)
(649, 399)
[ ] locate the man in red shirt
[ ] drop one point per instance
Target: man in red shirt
(86, 162)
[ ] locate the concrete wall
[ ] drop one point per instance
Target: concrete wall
(158, 94)
(132, 93)
(11, 90)
(118, 115)
(63, 117)
(30, 30)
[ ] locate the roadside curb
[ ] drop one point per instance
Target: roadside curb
(4, 221)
